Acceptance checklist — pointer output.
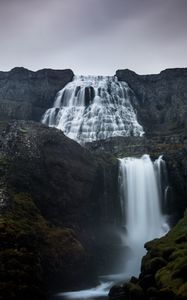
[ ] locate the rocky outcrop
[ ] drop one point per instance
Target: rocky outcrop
(26, 95)
(162, 100)
(52, 191)
(163, 272)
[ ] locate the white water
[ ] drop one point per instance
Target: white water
(162, 179)
(140, 203)
(96, 292)
(93, 108)
(140, 196)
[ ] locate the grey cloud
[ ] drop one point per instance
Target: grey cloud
(93, 35)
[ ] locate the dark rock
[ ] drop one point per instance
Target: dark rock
(116, 292)
(134, 279)
(26, 95)
(151, 266)
(128, 291)
(162, 99)
(146, 281)
(52, 191)
(152, 293)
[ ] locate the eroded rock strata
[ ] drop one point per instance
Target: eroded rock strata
(25, 95)
(162, 100)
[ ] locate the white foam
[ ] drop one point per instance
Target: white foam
(92, 108)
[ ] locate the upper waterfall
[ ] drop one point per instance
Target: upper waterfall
(92, 108)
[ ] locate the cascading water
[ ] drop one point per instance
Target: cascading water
(162, 180)
(92, 108)
(140, 203)
(141, 192)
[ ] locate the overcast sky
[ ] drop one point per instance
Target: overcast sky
(93, 36)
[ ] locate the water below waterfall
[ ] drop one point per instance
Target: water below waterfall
(92, 108)
(141, 194)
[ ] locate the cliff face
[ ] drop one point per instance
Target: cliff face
(25, 95)
(52, 191)
(162, 99)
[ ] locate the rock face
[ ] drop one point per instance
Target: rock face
(25, 95)
(51, 192)
(162, 99)
(161, 105)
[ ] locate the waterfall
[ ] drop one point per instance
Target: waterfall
(92, 108)
(141, 192)
(162, 179)
(140, 187)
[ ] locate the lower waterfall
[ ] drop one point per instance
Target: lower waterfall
(141, 194)
(140, 197)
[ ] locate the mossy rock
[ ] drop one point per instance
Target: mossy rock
(150, 266)
(180, 268)
(182, 292)
(165, 294)
(32, 251)
(178, 253)
(4, 161)
(164, 279)
(171, 276)
(133, 291)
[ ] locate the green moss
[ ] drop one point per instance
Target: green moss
(31, 249)
(133, 291)
(178, 253)
(154, 264)
(173, 250)
(182, 292)
(4, 161)
(164, 280)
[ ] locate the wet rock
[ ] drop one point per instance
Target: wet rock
(129, 291)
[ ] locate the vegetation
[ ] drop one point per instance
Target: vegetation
(30, 250)
(164, 269)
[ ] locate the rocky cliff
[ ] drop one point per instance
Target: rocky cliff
(51, 192)
(25, 95)
(162, 99)
(161, 102)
